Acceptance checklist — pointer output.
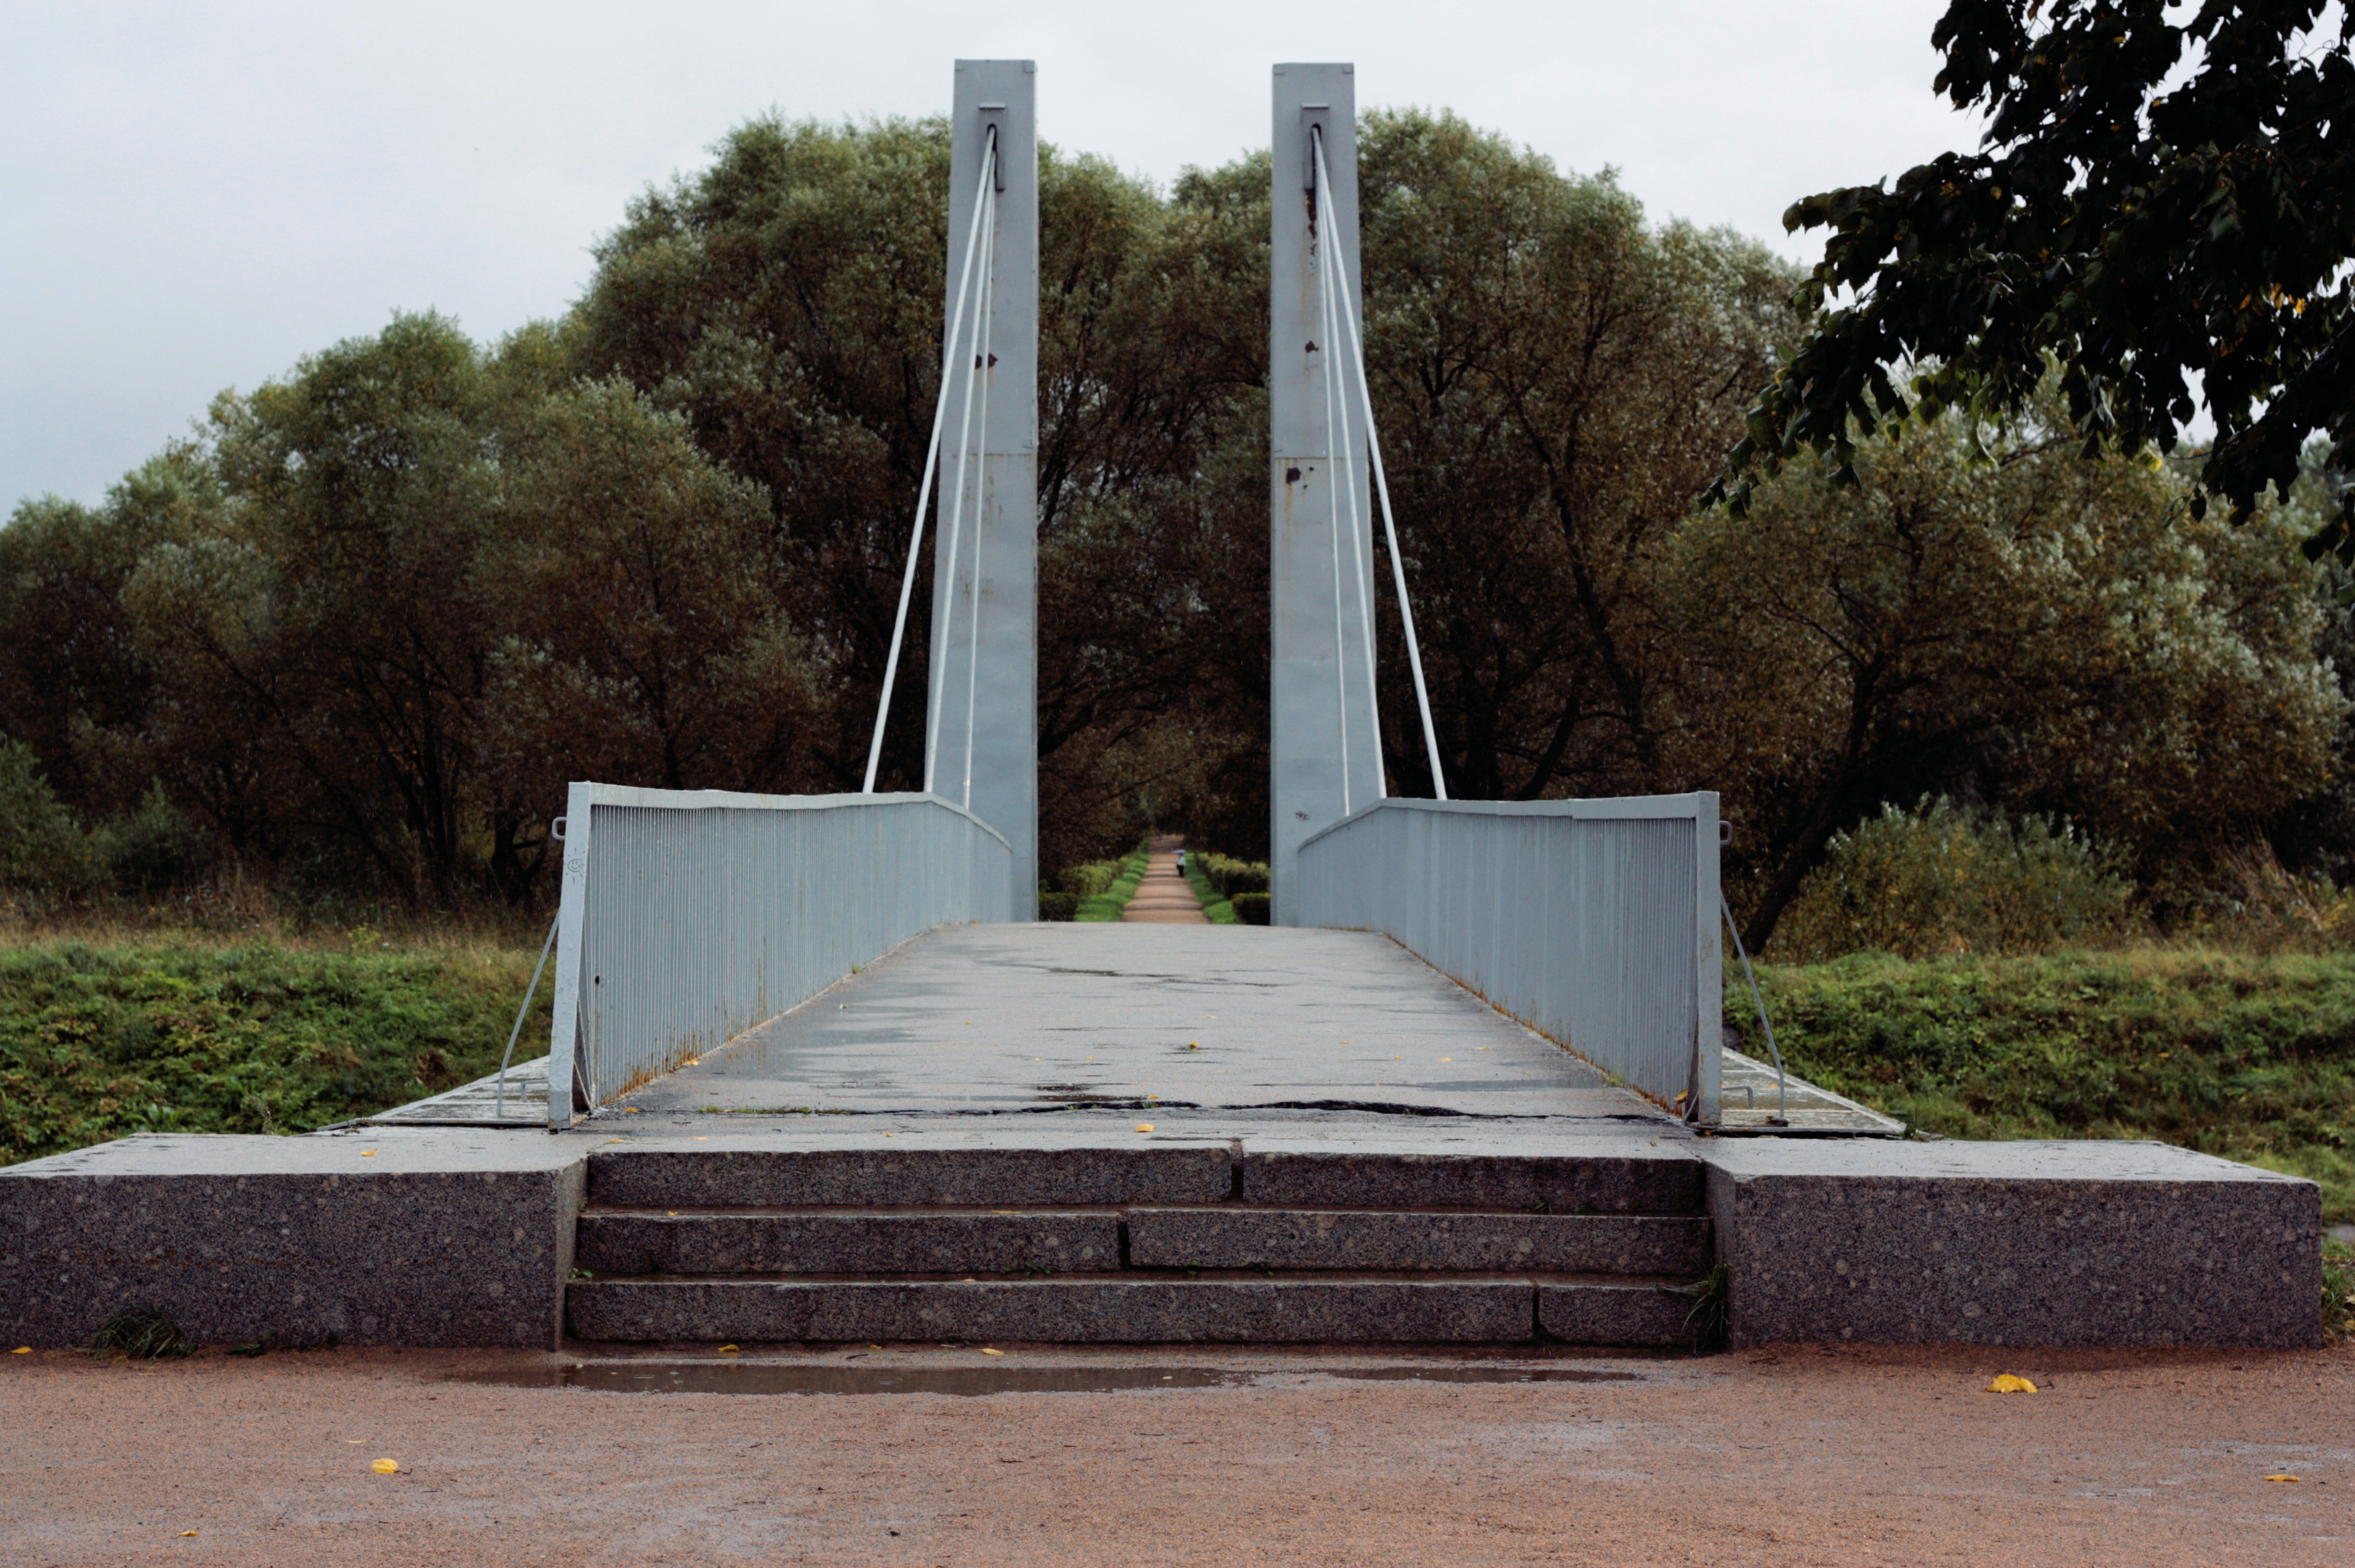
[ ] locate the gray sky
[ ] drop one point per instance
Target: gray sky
(196, 194)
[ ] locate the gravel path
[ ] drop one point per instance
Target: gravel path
(1783, 1457)
(1164, 897)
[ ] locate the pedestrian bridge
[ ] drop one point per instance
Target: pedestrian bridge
(816, 1074)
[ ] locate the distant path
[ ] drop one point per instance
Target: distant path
(1164, 897)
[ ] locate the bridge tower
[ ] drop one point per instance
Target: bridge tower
(982, 720)
(1325, 752)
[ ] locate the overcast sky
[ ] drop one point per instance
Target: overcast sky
(197, 193)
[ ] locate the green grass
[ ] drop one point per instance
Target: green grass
(127, 1033)
(1107, 904)
(2247, 1056)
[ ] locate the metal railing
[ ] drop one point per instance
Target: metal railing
(689, 916)
(1594, 922)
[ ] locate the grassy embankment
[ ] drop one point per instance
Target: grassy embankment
(107, 1033)
(2243, 1055)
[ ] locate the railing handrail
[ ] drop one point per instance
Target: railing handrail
(707, 799)
(1476, 889)
(740, 944)
(1599, 808)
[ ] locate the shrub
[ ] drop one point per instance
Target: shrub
(1090, 880)
(1215, 906)
(1937, 879)
(1251, 908)
(1231, 876)
(1053, 905)
(1107, 904)
(45, 856)
(157, 847)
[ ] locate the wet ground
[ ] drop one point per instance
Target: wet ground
(1005, 1017)
(1179, 1456)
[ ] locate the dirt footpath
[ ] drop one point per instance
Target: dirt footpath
(1780, 1458)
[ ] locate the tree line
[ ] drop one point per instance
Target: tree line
(358, 630)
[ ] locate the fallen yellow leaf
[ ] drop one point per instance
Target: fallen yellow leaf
(2283, 1477)
(987, 1351)
(188, 1533)
(384, 1467)
(2006, 1383)
(1145, 1126)
(729, 1351)
(366, 1152)
(22, 1351)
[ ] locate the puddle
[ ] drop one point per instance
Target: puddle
(770, 1376)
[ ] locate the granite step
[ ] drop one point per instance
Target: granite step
(1433, 1240)
(849, 1241)
(1584, 1176)
(1589, 1175)
(901, 1178)
(1135, 1308)
(1088, 1240)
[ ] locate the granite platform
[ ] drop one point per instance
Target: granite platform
(450, 1236)
(1314, 1100)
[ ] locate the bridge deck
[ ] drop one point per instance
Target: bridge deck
(1009, 1018)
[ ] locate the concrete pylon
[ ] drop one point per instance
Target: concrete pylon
(1324, 758)
(986, 687)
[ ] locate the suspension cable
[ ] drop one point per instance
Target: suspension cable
(980, 486)
(1331, 288)
(1390, 523)
(931, 455)
(1338, 442)
(956, 510)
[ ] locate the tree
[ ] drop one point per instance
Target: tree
(643, 641)
(2036, 630)
(1554, 379)
(787, 303)
(2155, 199)
(69, 659)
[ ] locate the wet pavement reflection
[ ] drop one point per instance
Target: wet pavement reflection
(775, 1378)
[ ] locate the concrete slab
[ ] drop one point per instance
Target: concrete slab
(1443, 1240)
(2012, 1244)
(1754, 1096)
(520, 1102)
(1087, 1311)
(394, 1237)
(1006, 1018)
(837, 1240)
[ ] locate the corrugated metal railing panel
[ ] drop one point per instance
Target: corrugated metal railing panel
(1594, 922)
(691, 916)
